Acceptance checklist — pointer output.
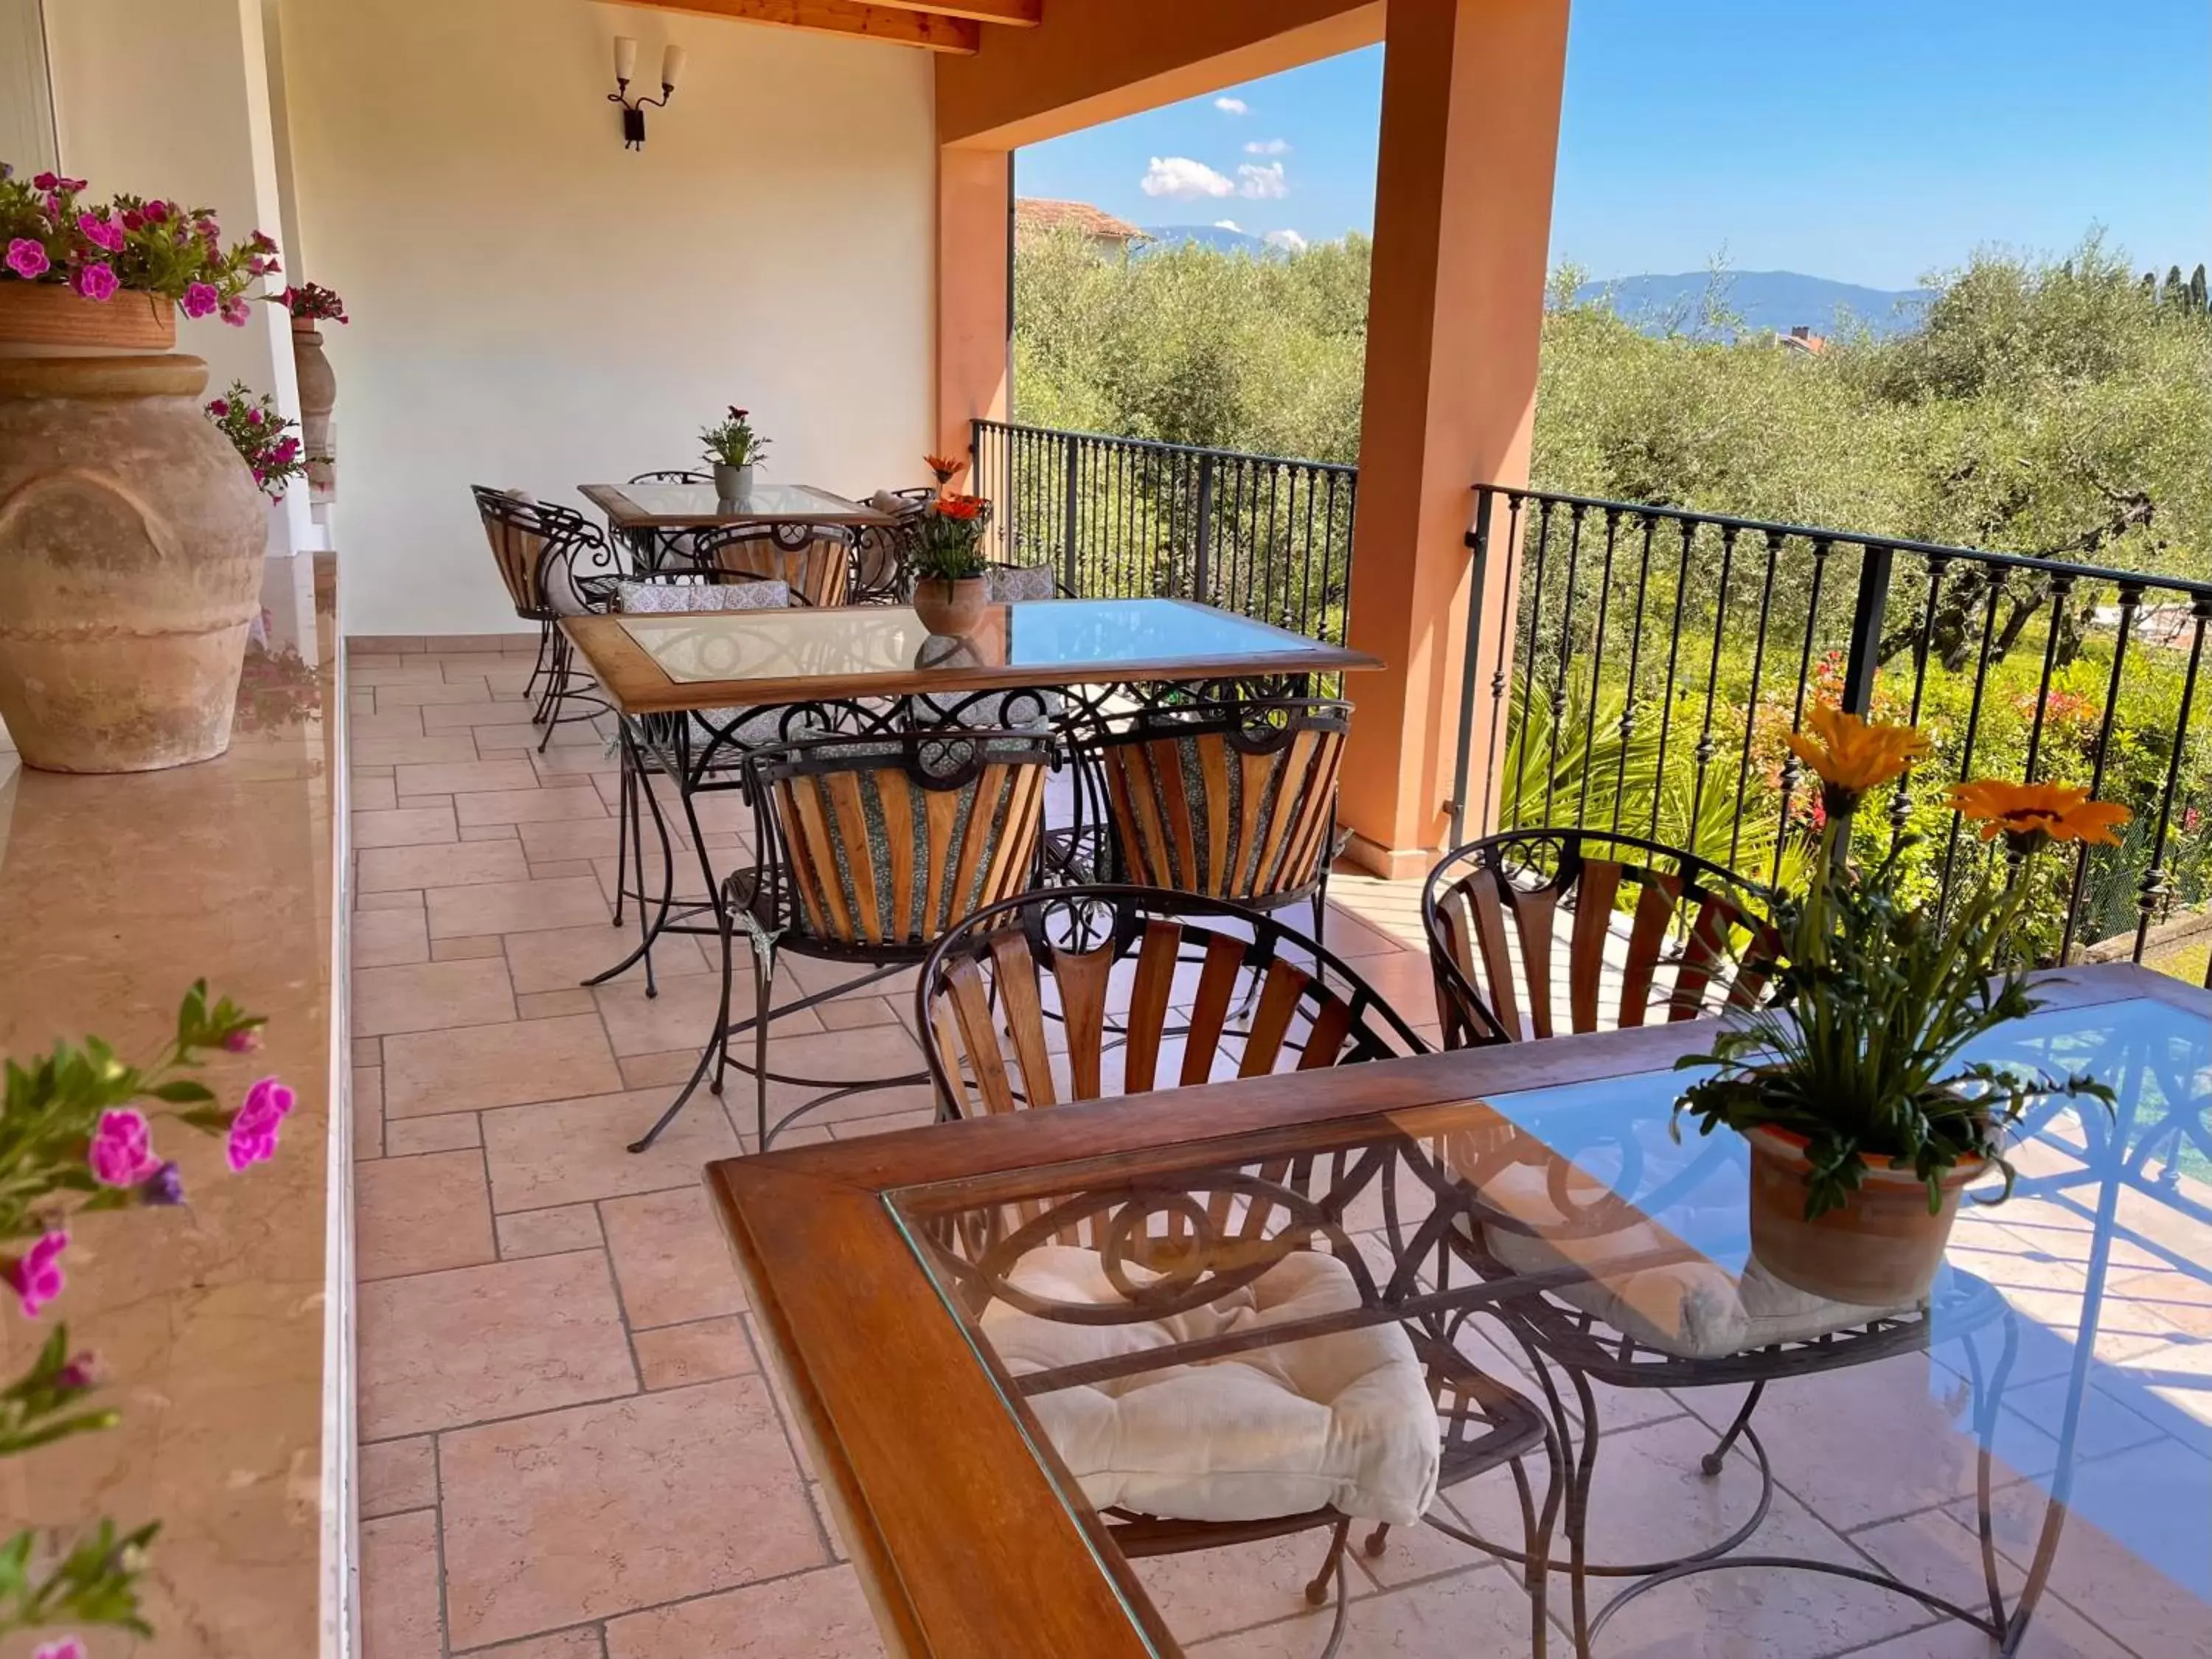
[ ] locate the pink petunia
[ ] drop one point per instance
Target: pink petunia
(133, 220)
(236, 313)
(67, 1647)
(122, 1152)
(219, 407)
(99, 232)
(36, 1277)
(43, 181)
(157, 213)
(244, 1040)
(201, 299)
(253, 1130)
(28, 258)
(97, 281)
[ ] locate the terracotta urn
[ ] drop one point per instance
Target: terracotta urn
(131, 539)
(319, 395)
(1881, 1250)
(950, 606)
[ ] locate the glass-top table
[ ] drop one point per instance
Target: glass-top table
(1019, 1298)
(635, 507)
(655, 664)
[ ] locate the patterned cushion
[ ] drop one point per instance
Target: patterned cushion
(1012, 584)
(680, 597)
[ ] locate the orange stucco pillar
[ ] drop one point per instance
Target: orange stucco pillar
(974, 305)
(1462, 223)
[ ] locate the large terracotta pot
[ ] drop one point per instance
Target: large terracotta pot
(319, 395)
(950, 607)
(131, 540)
(1879, 1250)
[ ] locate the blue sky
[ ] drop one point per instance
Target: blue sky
(1865, 140)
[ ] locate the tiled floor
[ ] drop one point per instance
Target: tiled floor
(571, 1450)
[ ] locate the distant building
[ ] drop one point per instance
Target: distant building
(1803, 339)
(1101, 229)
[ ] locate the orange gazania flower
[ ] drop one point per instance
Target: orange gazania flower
(2029, 814)
(963, 507)
(944, 468)
(1852, 755)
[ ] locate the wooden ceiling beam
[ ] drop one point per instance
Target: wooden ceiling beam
(930, 30)
(1021, 14)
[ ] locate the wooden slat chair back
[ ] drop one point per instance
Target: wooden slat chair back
(881, 842)
(1541, 932)
(819, 570)
(516, 529)
(1230, 801)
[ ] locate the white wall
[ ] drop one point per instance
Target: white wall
(534, 305)
(170, 99)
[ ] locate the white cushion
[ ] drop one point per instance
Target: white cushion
(1694, 1309)
(1344, 1419)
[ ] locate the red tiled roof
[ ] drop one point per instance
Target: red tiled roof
(1039, 213)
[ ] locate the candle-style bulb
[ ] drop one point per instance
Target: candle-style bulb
(625, 57)
(672, 65)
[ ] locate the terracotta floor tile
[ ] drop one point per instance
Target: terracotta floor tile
(565, 1644)
(397, 1475)
(813, 1615)
(384, 672)
(368, 1107)
(426, 996)
(675, 1356)
(467, 946)
(560, 958)
(489, 832)
(416, 827)
(452, 864)
(426, 750)
(1481, 1611)
(483, 1066)
(410, 900)
(695, 1484)
(1209, 1591)
(547, 1232)
(372, 794)
(573, 754)
(439, 1350)
(429, 693)
(448, 1131)
(514, 907)
(849, 1014)
(532, 806)
(584, 837)
(385, 939)
(671, 1261)
(1940, 1554)
(415, 1215)
(560, 869)
(540, 1004)
(399, 1615)
(448, 717)
(471, 776)
(670, 1067)
(571, 1151)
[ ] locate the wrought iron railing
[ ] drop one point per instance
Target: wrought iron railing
(1658, 656)
(1117, 517)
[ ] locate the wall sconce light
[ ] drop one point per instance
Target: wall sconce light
(633, 109)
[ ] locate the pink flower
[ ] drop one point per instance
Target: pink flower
(97, 281)
(67, 1647)
(43, 181)
(253, 1130)
(37, 1277)
(122, 1152)
(243, 1040)
(28, 258)
(157, 213)
(101, 233)
(236, 311)
(133, 220)
(81, 1372)
(200, 299)
(219, 407)
(254, 416)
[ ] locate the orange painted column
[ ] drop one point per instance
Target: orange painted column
(1462, 222)
(974, 372)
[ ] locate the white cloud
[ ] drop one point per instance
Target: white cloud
(1268, 147)
(1289, 240)
(1231, 105)
(1261, 183)
(1229, 224)
(1182, 179)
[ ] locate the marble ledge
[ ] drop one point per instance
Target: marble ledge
(211, 1319)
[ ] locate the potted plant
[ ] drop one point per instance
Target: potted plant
(948, 587)
(264, 440)
(735, 449)
(130, 552)
(308, 305)
(1864, 1121)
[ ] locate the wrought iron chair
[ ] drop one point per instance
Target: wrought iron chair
(882, 553)
(867, 849)
(1231, 800)
(553, 564)
(670, 549)
(815, 563)
(1528, 926)
(1528, 939)
(1065, 995)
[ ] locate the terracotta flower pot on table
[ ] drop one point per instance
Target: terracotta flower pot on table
(950, 606)
(131, 539)
(1881, 1250)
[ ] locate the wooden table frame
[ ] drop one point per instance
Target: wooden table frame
(638, 685)
(969, 1536)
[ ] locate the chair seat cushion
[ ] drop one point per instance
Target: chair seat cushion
(1692, 1309)
(1344, 1420)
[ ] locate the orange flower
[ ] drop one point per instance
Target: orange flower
(944, 468)
(962, 508)
(1852, 755)
(2029, 814)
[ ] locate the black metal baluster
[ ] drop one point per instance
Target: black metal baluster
(1689, 532)
(1923, 646)
(2062, 588)
(2131, 594)
(1707, 748)
(1751, 702)
(1792, 768)
(1996, 585)
(1528, 657)
(1597, 661)
(1635, 662)
(1501, 679)
(2157, 885)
